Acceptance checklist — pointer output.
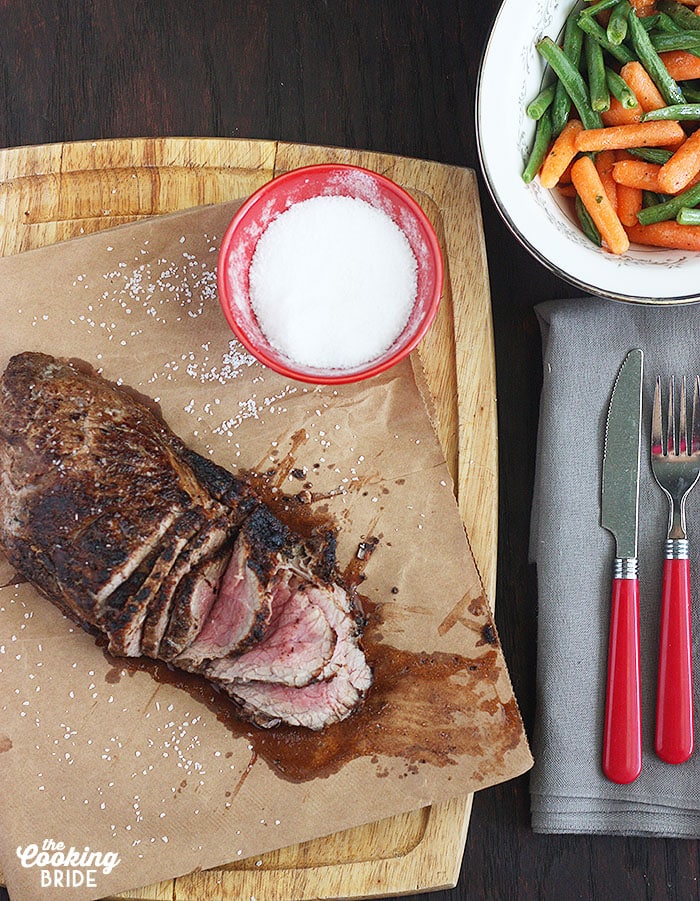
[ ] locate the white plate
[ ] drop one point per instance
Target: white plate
(511, 75)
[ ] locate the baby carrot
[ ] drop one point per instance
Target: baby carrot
(592, 193)
(681, 65)
(561, 153)
(637, 174)
(565, 177)
(667, 234)
(642, 7)
(621, 115)
(638, 80)
(618, 137)
(629, 203)
(684, 165)
(604, 162)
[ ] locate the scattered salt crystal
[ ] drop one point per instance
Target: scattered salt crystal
(332, 282)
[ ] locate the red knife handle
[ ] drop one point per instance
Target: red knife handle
(622, 735)
(674, 699)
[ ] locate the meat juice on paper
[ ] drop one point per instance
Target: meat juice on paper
(168, 769)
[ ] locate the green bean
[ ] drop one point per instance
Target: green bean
(544, 99)
(571, 47)
(679, 40)
(648, 23)
(692, 95)
(651, 154)
(619, 88)
(596, 8)
(651, 61)
(597, 85)
(678, 112)
(587, 224)
(572, 80)
(617, 24)
(651, 199)
(543, 135)
(622, 53)
(680, 14)
(666, 24)
(669, 26)
(668, 209)
(688, 217)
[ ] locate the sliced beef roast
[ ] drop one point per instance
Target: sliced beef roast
(126, 529)
(298, 644)
(210, 540)
(127, 607)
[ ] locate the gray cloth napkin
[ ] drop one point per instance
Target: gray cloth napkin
(584, 343)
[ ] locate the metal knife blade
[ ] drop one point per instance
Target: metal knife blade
(621, 457)
(622, 730)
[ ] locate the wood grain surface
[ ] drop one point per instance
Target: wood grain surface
(52, 193)
(389, 76)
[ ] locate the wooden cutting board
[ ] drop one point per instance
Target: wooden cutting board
(55, 192)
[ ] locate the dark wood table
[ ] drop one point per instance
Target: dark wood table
(387, 75)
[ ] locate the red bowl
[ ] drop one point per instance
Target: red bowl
(276, 196)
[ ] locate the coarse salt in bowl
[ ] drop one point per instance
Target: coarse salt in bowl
(330, 274)
(511, 74)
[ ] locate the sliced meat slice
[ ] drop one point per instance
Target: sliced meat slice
(346, 621)
(239, 615)
(206, 543)
(297, 646)
(314, 706)
(342, 683)
(101, 536)
(126, 608)
(243, 606)
(193, 599)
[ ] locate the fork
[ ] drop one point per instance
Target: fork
(675, 463)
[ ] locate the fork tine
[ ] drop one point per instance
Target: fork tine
(671, 447)
(695, 438)
(683, 424)
(656, 426)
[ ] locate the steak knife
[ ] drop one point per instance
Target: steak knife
(622, 734)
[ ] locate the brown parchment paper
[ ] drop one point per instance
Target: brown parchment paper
(99, 755)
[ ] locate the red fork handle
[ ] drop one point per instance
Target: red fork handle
(622, 733)
(674, 700)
